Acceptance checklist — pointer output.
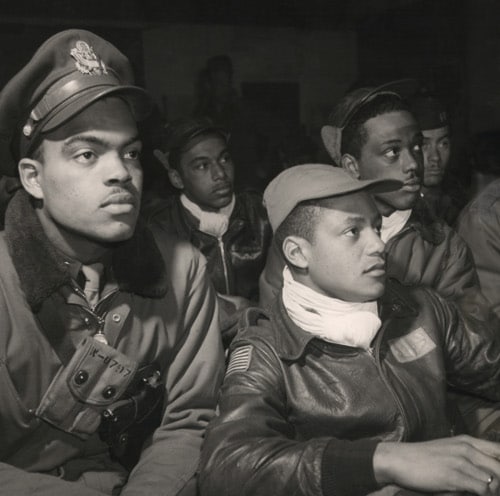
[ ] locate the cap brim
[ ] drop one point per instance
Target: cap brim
(403, 88)
(376, 186)
(182, 141)
(138, 99)
(373, 186)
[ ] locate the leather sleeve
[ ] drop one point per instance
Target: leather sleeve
(457, 272)
(471, 337)
(252, 448)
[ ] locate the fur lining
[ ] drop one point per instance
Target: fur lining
(137, 263)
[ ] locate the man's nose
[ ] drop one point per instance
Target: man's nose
(117, 169)
(218, 171)
(377, 246)
(412, 161)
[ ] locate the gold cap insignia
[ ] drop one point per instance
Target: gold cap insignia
(86, 60)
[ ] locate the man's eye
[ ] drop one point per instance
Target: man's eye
(85, 156)
(201, 166)
(353, 231)
(444, 144)
(133, 155)
(392, 153)
(225, 159)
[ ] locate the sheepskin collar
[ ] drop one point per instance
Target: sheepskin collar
(137, 263)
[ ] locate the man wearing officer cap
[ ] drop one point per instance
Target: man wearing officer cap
(109, 338)
(371, 133)
(340, 386)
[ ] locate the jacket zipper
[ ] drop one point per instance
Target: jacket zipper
(224, 265)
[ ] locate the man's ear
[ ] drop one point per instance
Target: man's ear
(30, 174)
(350, 164)
(175, 178)
(330, 136)
(162, 158)
(173, 174)
(296, 251)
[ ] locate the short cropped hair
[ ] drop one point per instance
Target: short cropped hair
(302, 221)
(354, 135)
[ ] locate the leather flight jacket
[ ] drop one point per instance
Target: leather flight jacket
(302, 415)
(233, 262)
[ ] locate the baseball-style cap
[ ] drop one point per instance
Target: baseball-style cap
(353, 101)
(314, 181)
(69, 72)
(179, 133)
(429, 112)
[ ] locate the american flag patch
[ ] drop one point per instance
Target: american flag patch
(240, 360)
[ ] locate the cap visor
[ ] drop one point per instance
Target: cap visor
(138, 99)
(381, 185)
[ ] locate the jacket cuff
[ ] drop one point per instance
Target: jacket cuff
(347, 468)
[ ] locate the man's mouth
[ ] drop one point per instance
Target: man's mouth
(120, 198)
(412, 185)
(376, 270)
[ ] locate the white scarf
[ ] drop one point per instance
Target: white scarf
(342, 322)
(212, 223)
(393, 224)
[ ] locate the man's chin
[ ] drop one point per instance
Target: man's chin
(116, 235)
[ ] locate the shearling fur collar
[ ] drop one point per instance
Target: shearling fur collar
(422, 220)
(137, 263)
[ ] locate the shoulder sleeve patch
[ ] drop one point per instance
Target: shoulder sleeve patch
(413, 346)
(239, 360)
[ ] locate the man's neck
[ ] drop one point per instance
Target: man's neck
(384, 208)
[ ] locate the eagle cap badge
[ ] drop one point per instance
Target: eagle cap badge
(87, 61)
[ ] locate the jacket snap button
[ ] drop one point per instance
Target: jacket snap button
(116, 317)
(396, 307)
(109, 392)
(81, 377)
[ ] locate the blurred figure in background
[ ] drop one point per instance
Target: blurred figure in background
(255, 132)
(231, 230)
(441, 192)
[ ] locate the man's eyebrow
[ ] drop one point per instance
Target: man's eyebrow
(199, 158)
(354, 219)
(94, 140)
(361, 219)
(392, 141)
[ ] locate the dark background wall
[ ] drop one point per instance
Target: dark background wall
(316, 49)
